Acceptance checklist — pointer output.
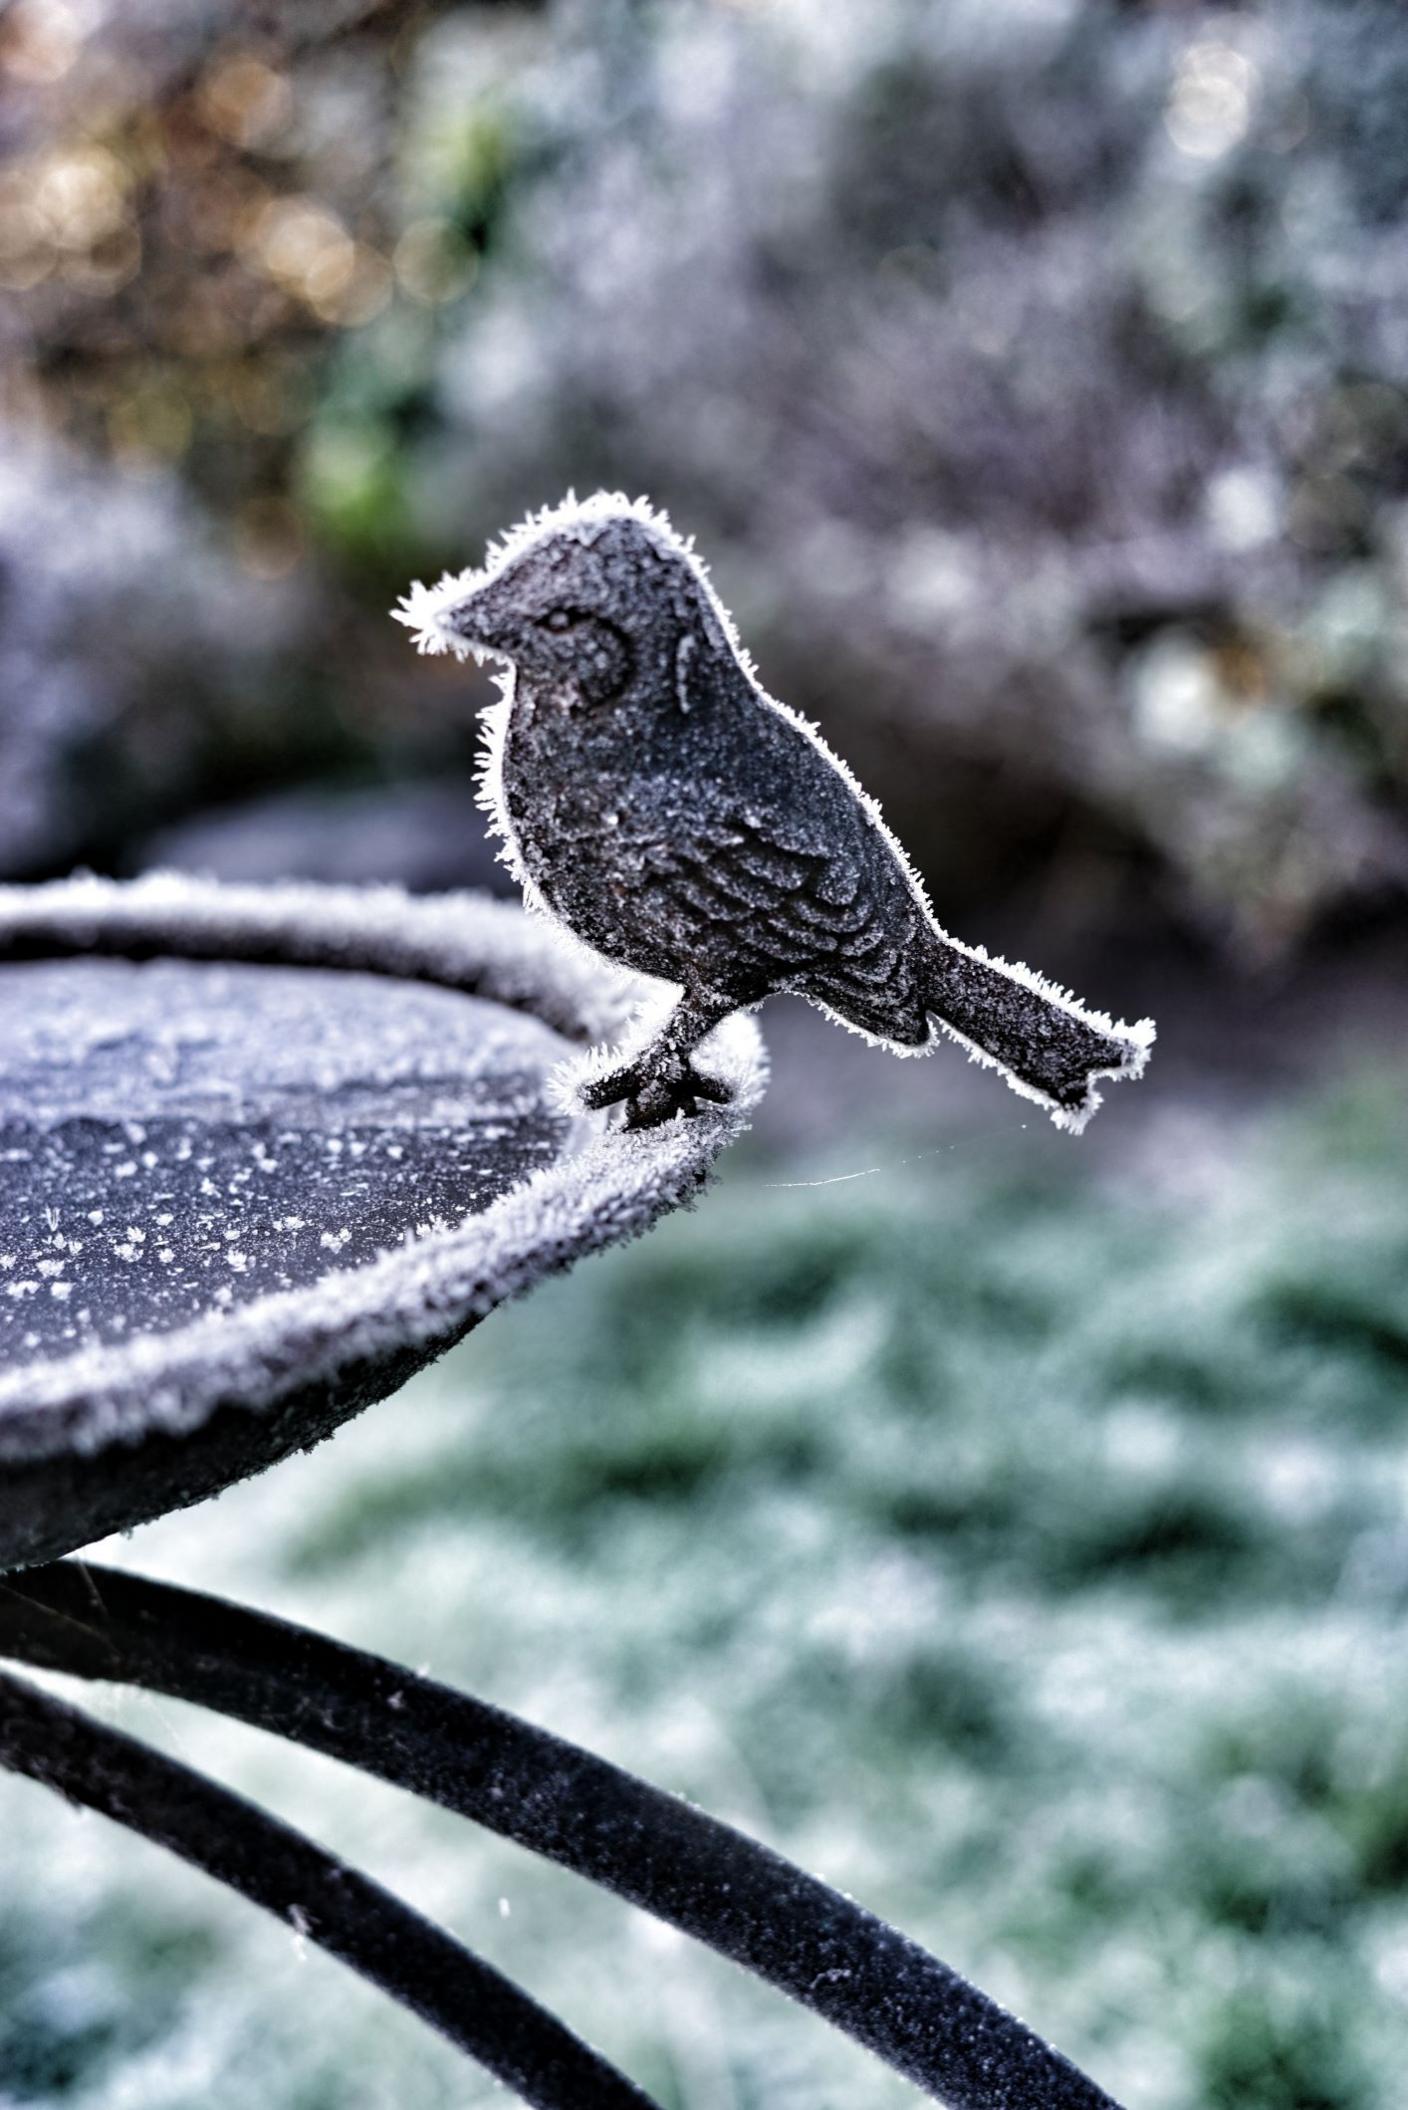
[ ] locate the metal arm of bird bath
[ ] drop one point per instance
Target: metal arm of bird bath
(647, 1846)
(323, 1899)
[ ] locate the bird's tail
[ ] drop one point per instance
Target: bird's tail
(1047, 1045)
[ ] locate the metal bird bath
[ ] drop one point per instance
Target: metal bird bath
(266, 1152)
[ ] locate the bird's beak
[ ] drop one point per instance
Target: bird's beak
(475, 623)
(447, 618)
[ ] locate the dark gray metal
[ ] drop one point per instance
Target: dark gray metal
(324, 1899)
(181, 1138)
(241, 1202)
(244, 1202)
(688, 825)
(712, 1882)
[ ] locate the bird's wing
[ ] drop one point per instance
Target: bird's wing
(797, 901)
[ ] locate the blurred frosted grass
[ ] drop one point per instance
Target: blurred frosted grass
(1029, 1559)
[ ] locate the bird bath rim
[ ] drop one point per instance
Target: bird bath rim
(355, 1335)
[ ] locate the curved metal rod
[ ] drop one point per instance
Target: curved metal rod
(649, 1847)
(333, 1905)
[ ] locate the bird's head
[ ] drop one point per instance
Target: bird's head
(586, 599)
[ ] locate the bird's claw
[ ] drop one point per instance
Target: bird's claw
(655, 1090)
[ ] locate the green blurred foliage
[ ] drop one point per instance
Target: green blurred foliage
(1032, 376)
(1029, 1558)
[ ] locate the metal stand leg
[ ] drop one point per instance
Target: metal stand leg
(341, 1910)
(562, 1802)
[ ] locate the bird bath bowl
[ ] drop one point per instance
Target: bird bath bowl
(265, 1153)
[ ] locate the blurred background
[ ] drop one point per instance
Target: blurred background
(1013, 1530)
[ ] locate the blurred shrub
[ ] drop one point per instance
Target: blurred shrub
(135, 660)
(1033, 373)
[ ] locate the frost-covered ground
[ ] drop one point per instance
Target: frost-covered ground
(1030, 1560)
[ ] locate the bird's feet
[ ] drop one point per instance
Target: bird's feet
(658, 1085)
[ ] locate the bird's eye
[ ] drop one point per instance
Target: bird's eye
(558, 619)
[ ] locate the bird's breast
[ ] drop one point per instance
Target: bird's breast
(563, 805)
(598, 835)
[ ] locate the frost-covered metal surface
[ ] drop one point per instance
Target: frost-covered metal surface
(180, 1137)
(260, 1332)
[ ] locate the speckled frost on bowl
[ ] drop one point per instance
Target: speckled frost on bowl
(243, 1200)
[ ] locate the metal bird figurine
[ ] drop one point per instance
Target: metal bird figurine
(686, 825)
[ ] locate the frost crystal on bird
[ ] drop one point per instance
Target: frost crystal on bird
(655, 800)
